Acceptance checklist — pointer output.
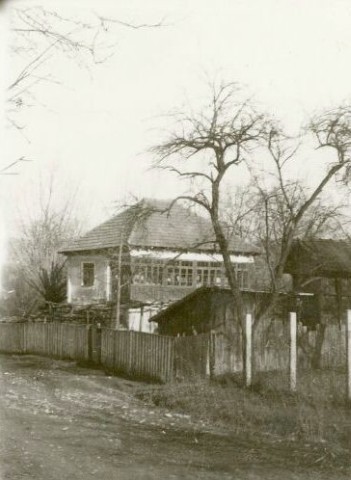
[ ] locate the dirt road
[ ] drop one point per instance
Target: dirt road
(62, 422)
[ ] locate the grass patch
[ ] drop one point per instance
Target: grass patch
(316, 413)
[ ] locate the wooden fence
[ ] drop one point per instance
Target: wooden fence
(137, 354)
(164, 358)
(270, 348)
(12, 337)
(58, 340)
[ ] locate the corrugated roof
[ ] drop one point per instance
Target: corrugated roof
(324, 257)
(151, 224)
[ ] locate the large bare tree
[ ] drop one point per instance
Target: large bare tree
(217, 140)
(229, 132)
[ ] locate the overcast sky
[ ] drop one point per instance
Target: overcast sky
(94, 129)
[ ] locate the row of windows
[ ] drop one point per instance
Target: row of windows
(187, 276)
(181, 274)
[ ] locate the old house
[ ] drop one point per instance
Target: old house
(147, 257)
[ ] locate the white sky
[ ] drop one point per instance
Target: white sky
(95, 128)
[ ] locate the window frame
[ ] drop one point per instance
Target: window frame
(82, 268)
(181, 273)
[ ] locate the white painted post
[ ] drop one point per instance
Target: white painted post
(141, 318)
(348, 354)
(108, 282)
(69, 290)
(248, 351)
(293, 351)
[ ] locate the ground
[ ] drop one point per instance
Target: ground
(59, 421)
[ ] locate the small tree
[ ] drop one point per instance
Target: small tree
(290, 208)
(34, 254)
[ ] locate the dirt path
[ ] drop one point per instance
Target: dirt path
(61, 422)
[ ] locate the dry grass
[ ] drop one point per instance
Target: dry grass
(316, 413)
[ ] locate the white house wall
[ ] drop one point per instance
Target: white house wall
(188, 256)
(101, 290)
(79, 294)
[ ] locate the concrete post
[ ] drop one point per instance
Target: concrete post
(292, 351)
(248, 350)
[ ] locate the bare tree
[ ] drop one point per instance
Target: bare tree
(255, 213)
(41, 35)
(223, 136)
(240, 211)
(217, 140)
(289, 208)
(270, 218)
(34, 253)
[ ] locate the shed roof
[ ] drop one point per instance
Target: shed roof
(153, 224)
(320, 257)
(204, 291)
(164, 314)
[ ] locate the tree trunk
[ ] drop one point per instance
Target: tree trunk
(229, 269)
(317, 352)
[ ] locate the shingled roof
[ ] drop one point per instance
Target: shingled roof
(151, 224)
(320, 257)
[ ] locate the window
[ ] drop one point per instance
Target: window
(146, 272)
(181, 273)
(209, 274)
(88, 274)
(242, 275)
(158, 272)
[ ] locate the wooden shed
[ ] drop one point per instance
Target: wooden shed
(212, 309)
(323, 267)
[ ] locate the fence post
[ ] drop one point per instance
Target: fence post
(248, 350)
(292, 351)
(348, 354)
